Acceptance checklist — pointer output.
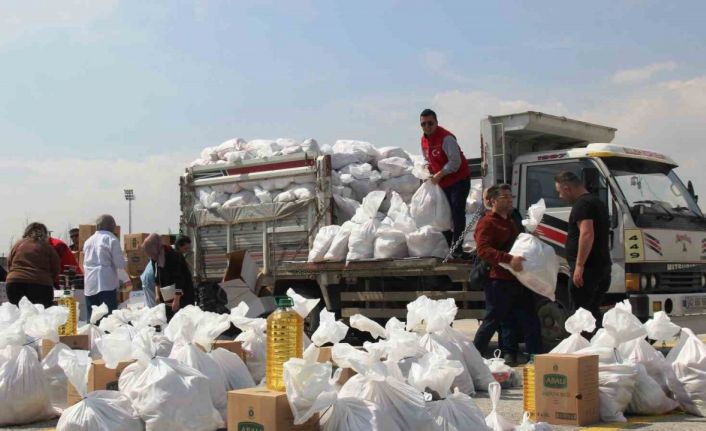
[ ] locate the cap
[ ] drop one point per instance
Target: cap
(284, 301)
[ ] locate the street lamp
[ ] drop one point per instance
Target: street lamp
(129, 197)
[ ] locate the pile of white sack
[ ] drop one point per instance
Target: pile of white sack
(633, 376)
(404, 231)
(416, 377)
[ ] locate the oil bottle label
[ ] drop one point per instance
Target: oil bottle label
(250, 426)
(555, 381)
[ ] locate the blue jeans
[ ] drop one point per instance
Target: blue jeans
(510, 305)
(109, 297)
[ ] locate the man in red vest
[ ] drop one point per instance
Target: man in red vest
(449, 168)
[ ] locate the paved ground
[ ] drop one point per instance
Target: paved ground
(510, 407)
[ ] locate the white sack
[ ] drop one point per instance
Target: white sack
(235, 144)
(339, 245)
(494, 420)
(387, 152)
(396, 166)
(361, 242)
(362, 323)
(528, 425)
(581, 321)
(689, 364)
(647, 398)
(404, 184)
(540, 268)
(322, 242)
(352, 414)
(241, 199)
(23, 387)
(472, 359)
(263, 195)
(434, 372)
(56, 378)
(363, 151)
(661, 328)
(455, 413)
(390, 244)
(616, 384)
(430, 207)
(427, 242)
(237, 375)
(330, 330)
(345, 208)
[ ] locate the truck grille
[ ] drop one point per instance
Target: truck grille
(684, 281)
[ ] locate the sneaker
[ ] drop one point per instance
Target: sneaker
(510, 359)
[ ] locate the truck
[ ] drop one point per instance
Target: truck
(658, 232)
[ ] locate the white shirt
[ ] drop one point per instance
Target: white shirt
(102, 259)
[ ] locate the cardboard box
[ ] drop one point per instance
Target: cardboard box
(133, 241)
(230, 345)
(241, 272)
(137, 261)
(263, 410)
(75, 342)
(346, 373)
(168, 239)
(99, 378)
(86, 230)
(566, 389)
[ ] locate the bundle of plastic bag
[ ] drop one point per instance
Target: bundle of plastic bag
(93, 331)
(362, 152)
(361, 241)
(363, 187)
(99, 410)
(322, 243)
(430, 207)
(581, 321)
(661, 328)
(528, 425)
(253, 339)
(264, 148)
(427, 242)
(687, 360)
(494, 420)
(330, 330)
(166, 393)
(192, 326)
(23, 386)
(404, 404)
(431, 318)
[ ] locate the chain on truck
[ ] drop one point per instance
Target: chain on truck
(657, 236)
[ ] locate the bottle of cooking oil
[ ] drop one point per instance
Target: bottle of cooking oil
(285, 329)
(528, 400)
(71, 326)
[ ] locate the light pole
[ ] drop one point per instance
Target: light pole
(129, 197)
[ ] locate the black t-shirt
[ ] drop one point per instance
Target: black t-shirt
(589, 207)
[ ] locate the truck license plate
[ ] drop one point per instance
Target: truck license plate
(695, 302)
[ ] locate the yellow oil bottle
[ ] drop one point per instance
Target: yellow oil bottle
(71, 326)
(528, 401)
(285, 328)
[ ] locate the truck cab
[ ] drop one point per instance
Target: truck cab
(657, 232)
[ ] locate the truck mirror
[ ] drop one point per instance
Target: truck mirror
(690, 189)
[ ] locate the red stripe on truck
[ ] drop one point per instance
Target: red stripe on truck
(551, 233)
(271, 167)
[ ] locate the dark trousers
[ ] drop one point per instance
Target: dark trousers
(109, 297)
(457, 194)
(596, 282)
(36, 293)
(510, 305)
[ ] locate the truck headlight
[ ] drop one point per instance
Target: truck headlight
(643, 281)
(653, 281)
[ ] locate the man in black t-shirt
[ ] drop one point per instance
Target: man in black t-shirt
(587, 249)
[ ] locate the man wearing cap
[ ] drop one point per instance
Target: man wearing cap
(449, 169)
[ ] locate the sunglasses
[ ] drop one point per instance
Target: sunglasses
(427, 123)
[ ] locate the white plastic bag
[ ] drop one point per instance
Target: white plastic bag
(433, 371)
(99, 410)
(235, 144)
(647, 398)
(661, 328)
(687, 359)
(240, 199)
(166, 393)
(329, 330)
(427, 242)
(253, 339)
(363, 323)
(345, 208)
(494, 420)
(472, 359)
(540, 268)
(534, 215)
(430, 207)
(405, 184)
(339, 245)
(23, 386)
(502, 372)
(115, 347)
(399, 214)
(396, 166)
(616, 384)
(457, 412)
(237, 375)
(309, 386)
(390, 243)
(387, 152)
(56, 378)
(581, 321)
(263, 196)
(528, 425)
(322, 243)
(361, 242)
(93, 331)
(352, 414)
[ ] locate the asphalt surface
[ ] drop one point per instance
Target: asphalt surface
(510, 407)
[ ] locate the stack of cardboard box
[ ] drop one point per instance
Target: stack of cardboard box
(137, 260)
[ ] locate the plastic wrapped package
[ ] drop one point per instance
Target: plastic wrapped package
(503, 373)
(430, 207)
(338, 249)
(241, 199)
(116, 347)
(361, 242)
(687, 360)
(285, 196)
(364, 151)
(322, 243)
(93, 331)
(304, 191)
(399, 214)
(540, 268)
(390, 243)
(23, 387)
(581, 321)
(639, 351)
(166, 393)
(396, 166)
(434, 372)
(427, 242)
(253, 339)
(341, 160)
(239, 156)
(494, 420)
(99, 410)
(352, 414)
(475, 199)
(360, 171)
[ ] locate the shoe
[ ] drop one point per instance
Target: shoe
(510, 359)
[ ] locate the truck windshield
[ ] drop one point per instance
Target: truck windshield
(654, 186)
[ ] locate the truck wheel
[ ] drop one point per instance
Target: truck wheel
(551, 320)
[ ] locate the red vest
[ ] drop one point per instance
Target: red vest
(435, 155)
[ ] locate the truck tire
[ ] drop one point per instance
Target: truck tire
(553, 315)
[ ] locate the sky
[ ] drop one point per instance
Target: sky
(101, 95)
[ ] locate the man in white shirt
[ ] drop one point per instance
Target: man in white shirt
(104, 265)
